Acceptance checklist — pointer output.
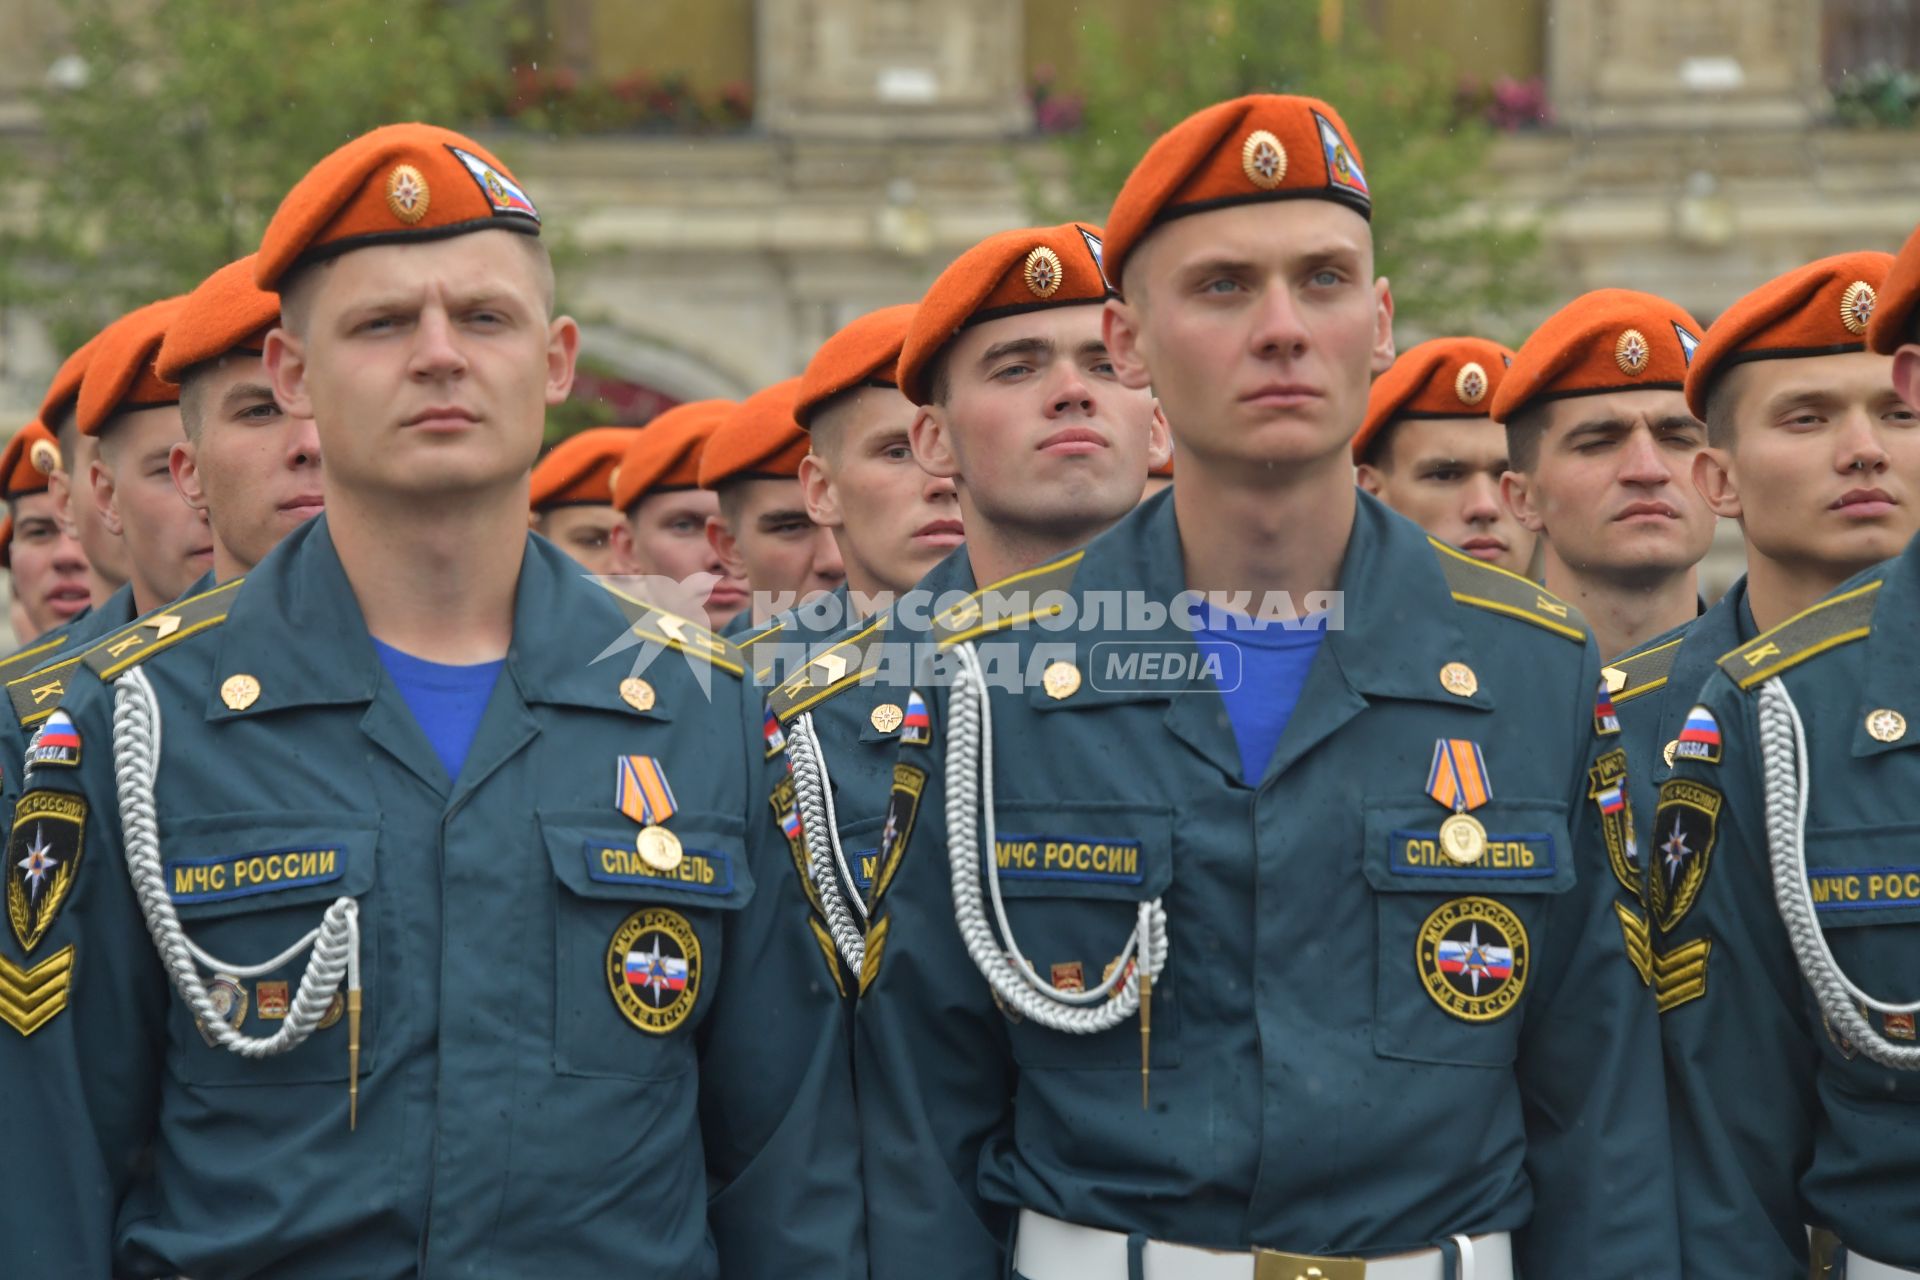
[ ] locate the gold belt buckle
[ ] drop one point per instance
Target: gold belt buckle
(1823, 1254)
(1271, 1264)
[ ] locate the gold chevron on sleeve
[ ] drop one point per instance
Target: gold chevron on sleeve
(1633, 929)
(31, 996)
(1680, 975)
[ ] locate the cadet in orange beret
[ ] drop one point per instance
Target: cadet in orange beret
(1894, 329)
(892, 520)
(1428, 449)
(762, 532)
(664, 531)
(46, 564)
(1019, 403)
(250, 467)
(1601, 444)
(572, 496)
(107, 565)
(1241, 927)
(133, 416)
(387, 761)
(1778, 1121)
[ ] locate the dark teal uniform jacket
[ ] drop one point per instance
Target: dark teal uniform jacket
(525, 1107)
(1780, 1122)
(1321, 1080)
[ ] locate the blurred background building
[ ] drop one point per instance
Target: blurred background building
(728, 181)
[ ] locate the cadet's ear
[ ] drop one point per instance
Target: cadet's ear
(563, 349)
(1383, 350)
(1120, 329)
(1906, 373)
(726, 546)
(933, 443)
(286, 359)
(1714, 479)
(1159, 438)
(626, 558)
(817, 488)
(1516, 490)
(186, 475)
(100, 482)
(1368, 477)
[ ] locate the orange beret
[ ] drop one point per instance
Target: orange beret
(1893, 313)
(1821, 309)
(65, 391)
(1164, 471)
(226, 312)
(863, 354)
(29, 458)
(400, 182)
(1265, 146)
(6, 541)
(579, 470)
(120, 376)
(1439, 378)
(1607, 340)
(758, 440)
(665, 454)
(1031, 269)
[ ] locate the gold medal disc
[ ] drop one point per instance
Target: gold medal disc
(1463, 839)
(660, 849)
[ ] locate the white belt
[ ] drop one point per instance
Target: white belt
(1859, 1268)
(1049, 1249)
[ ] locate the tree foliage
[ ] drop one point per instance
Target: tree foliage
(1452, 271)
(186, 121)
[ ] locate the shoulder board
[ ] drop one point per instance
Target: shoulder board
(654, 624)
(1834, 621)
(1636, 673)
(161, 629)
(1483, 586)
(41, 650)
(746, 642)
(828, 672)
(1007, 603)
(36, 694)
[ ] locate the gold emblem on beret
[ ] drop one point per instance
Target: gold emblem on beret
(1470, 384)
(239, 692)
(1886, 725)
(1043, 272)
(637, 693)
(1263, 160)
(1631, 352)
(1457, 678)
(407, 196)
(1060, 680)
(886, 718)
(44, 457)
(1856, 306)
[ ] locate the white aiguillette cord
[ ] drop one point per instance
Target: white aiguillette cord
(827, 866)
(335, 941)
(1783, 758)
(1128, 985)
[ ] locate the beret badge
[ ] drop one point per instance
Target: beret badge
(1630, 352)
(1043, 272)
(1470, 384)
(44, 457)
(1856, 306)
(1263, 160)
(407, 195)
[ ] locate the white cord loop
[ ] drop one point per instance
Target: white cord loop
(820, 827)
(335, 942)
(1783, 756)
(969, 791)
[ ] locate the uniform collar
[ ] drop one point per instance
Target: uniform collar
(297, 629)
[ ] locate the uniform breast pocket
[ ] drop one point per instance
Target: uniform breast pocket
(1866, 895)
(638, 925)
(1072, 877)
(247, 887)
(1458, 919)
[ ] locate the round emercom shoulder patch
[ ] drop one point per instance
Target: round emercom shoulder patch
(1473, 956)
(653, 969)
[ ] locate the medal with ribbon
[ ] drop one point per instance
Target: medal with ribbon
(1458, 780)
(641, 792)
